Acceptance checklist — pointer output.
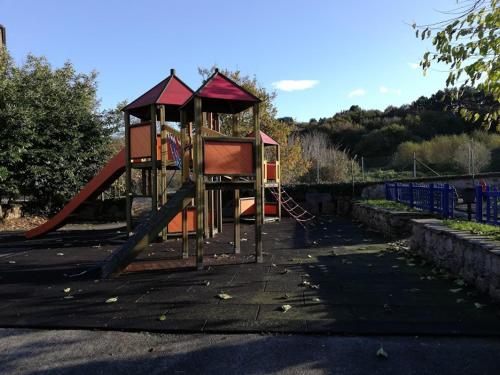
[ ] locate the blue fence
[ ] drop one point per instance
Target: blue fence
(489, 213)
(435, 198)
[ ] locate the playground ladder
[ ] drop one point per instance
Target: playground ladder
(295, 210)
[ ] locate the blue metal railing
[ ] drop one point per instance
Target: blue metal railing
(435, 198)
(489, 213)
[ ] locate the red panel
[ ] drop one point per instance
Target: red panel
(228, 158)
(140, 144)
(247, 207)
(104, 178)
(175, 226)
(271, 171)
(175, 93)
(220, 87)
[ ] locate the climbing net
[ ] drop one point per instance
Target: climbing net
(175, 149)
(294, 209)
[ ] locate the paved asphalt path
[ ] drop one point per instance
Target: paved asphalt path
(92, 352)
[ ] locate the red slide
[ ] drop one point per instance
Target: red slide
(99, 183)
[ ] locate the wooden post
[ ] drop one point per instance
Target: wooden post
(236, 198)
(278, 178)
(185, 178)
(164, 160)
(154, 185)
(198, 172)
(128, 174)
(258, 185)
(144, 182)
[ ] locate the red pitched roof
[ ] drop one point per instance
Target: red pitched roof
(267, 140)
(221, 87)
(220, 94)
(171, 92)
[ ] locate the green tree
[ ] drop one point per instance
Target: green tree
(470, 44)
(53, 137)
(292, 165)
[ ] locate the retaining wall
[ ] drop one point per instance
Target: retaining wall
(474, 258)
(393, 224)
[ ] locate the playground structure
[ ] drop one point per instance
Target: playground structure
(209, 161)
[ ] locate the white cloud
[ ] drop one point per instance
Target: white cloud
(387, 90)
(414, 65)
(357, 92)
(295, 84)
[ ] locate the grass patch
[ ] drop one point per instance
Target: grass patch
(388, 205)
(486, 230)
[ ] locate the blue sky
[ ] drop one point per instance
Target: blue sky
(345, 52)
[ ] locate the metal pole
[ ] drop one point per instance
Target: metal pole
(469, 157)
(414, 165)
(352, 172)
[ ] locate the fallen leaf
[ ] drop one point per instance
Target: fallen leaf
(60, 254)
(460, 300)
(224, 296)
(316, 299)
(305, 283)
(382, 353)
(112, 300)
(460, 282)
(285, 308)
(163, 317)
(456, 290)
(478, 305)
(206, 282)
(67, 290)
(309, 255)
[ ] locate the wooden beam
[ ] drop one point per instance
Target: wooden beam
(278, 178)
(198, 172)
(236, 197)
(128, 174)
(154, 171)
(185, 178)
(258, 186)
(164, 160)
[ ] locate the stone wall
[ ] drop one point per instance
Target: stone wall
(474, 258)
(392, 224)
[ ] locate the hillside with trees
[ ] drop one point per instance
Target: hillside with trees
(431, 127)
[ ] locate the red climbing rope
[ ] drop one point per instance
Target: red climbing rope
(293, 208)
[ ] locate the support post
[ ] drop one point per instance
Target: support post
(164, 159)
(278, 176)
(258, 185)
(128, 174)
(236, 198)
(198, 172)
(184, 178)
(154, 179)
(414, 164)
(237, 225)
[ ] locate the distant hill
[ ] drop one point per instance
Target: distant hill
(377, 134)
